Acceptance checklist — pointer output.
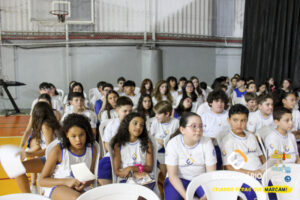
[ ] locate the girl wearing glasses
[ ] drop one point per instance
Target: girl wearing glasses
(188, 154)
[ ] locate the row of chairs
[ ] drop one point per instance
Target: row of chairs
(211, 182)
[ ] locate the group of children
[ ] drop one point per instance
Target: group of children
(189, 127)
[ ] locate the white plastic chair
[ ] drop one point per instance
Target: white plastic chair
(23, 196)
(223, 179)
(119, 191)
(101, 134)
(61, 94)
(278, 178)
(261, 135)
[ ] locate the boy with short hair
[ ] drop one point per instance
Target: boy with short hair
(129, 87)
(161, 128)
(263, 116)
(120, 89)
(281, 141)
(251, 87)
(251, 103)
(124, 107)
(239, 92)
(98, 94)
(77, 101)
(100, 103)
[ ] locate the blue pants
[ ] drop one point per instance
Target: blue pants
(172, 194)
(104, 169)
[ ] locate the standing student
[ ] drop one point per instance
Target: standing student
(185, 105)
(76, 147)
(280, 140)
(146, 87)
(161, 129)
(161, 93)
(239, 92)
(173, 87)
(263, 116)
(240, 149)
(188, 154)
(109, 111)
(251, 103)
(129, 88)
(123, 108)
(133, 151)
(77, 101)
(44, 126)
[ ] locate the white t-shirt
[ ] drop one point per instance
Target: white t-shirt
(236, 99)
(131, 154)
(162, 130)
(97, 95)
(174, 95)
(191, 161)
(104, 115)
(287, 144)
(88, 113)
(134, 99)
(164, 98)
(256, 121)
(203, 108)
(248, 145)
(110, 131)
(296, 120)
(55, 105)
(214, 123)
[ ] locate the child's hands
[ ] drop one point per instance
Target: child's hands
(73, 183)
(22, 154)
(160, 141)
(138, 175)
(123, 173)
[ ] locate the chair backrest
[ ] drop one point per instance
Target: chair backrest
(92, 92)
(261, 135)
(61, 94)
(23, 196)
(99, 152)
(119, 191)
(102, 127)
(279, 176)
(213, 182)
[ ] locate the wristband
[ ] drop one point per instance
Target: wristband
(141, 167)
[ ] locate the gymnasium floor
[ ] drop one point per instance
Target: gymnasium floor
(11, 129)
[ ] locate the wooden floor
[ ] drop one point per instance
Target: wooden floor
(11, 131)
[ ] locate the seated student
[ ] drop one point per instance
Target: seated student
(263, 116)
(181, 83)
(101, 103)
(185, 105)
(161, 93)
(287, 85)
(251, 103)
(203, 108)
(98, 94)
(188, 154)
(45, 89)
(145, 107)
(237, 139)
(123, 108)
(239, 92)
(146, 87)
(109, 111)
(120, 89)
(281, 140)
(129, 87)
(173, 87)
(133, 152)
(77, 101)
(232, 86)
(198, 89)
(161, 128)
(55, 96)
(215, 120)
(251, 87)
(262, 89)
(45, 127)
(76, 147)
(75, 87)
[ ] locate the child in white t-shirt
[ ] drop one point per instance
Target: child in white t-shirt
(263, 116)
(77, 101)
(124, 107)
(129, 87)
(188, 154)
(251, 102)
(161, 93)
(161, 129)
(280, 141)
(239, 92)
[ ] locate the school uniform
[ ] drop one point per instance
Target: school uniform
(238, 97)
(203, 108)
(88, 113)
(296, 120)
(63, 169)
(55, 105)
(163, 131)
(190, 162)
(275, 142)
(104, 115)
(134, 99)
(256, 121)
(195, 104)
(163, 98)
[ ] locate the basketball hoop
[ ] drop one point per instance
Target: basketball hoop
(61, 15)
